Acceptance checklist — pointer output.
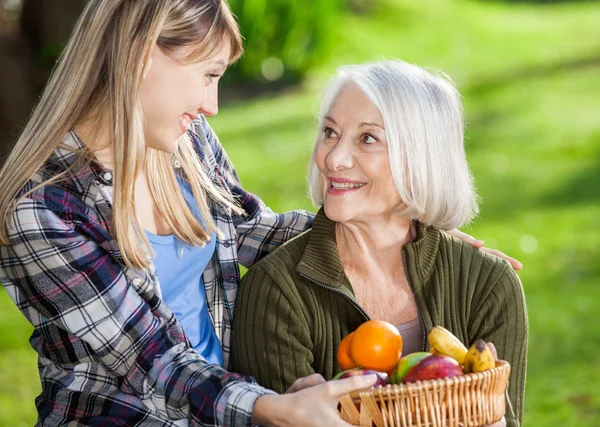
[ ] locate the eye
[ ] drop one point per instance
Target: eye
(329, 133)
(367, 138)
(211, 77)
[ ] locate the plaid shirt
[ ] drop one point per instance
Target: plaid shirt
(110, 350)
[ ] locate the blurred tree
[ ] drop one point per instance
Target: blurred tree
(27, 53)
(284, 38)
(540, 1)
(47, 25)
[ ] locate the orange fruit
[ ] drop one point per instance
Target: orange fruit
(376, 345)
(343, 353)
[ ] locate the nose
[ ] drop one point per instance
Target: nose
(210, 107)
(340, 156)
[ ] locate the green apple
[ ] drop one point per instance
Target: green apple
(405, 364)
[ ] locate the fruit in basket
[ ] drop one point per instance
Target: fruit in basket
(405, 364)
(382, 377)
(433, 367)
(443, 342)
(346, 373)
(376, 345)
(343, 353)
(479, 358)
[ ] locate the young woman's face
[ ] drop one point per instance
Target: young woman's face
(354, 160)
(173, 94)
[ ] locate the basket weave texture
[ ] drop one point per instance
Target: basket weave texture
(473, 400)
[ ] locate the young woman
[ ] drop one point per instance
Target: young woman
(122, 232)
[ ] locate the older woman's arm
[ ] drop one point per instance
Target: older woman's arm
(502, 320)
(271, 338)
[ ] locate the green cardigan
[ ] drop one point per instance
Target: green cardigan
(295, 306)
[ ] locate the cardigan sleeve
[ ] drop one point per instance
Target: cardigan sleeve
(502, 320)
(271, 339)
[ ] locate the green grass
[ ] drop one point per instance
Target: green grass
(19, 380)
(533, 140)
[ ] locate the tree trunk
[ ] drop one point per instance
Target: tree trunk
(27, 58)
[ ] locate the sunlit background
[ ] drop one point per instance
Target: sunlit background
(529, 73)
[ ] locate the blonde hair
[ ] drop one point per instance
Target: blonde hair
(423, 120)
(101, 68)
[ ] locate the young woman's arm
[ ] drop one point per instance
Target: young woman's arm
(516, 264)
(260, 230)
(64, 280)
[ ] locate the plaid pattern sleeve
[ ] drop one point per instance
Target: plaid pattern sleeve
(110, 351)
(260, 230)
(246, 238)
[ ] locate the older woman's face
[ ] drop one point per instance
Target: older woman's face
(353, 157)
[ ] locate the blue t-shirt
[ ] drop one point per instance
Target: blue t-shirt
(179, 268)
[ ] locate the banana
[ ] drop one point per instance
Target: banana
(443, 342)
(479, 358)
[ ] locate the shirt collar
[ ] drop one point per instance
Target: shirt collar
(84, 171)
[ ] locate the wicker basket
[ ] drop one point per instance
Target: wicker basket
(474, 400)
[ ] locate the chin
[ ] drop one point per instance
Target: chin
(168, 148)
(166, 141)
(171, 149)
(337, 213)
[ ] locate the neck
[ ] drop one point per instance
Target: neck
(374, 245)
(95, 134)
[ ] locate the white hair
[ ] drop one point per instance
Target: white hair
(423, 120)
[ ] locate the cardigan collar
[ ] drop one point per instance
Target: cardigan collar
(320, 261)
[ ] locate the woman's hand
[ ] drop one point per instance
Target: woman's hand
(479, 244)
(306, 382)
(308, 407)
(314, 402)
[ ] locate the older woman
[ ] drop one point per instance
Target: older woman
(390, 174)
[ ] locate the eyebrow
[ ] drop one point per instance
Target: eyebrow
(217, 65)
(363, 124)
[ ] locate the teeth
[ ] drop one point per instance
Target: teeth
(345, 185)
(185, 121)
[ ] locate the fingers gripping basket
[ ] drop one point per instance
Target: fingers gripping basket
(468, 400)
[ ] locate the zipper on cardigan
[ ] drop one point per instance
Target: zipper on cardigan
(342, 293)
(362, 310)
(413, 293)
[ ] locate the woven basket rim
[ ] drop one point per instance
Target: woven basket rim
(499, 369)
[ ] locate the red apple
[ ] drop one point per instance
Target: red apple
(433, 367)
(406, 364)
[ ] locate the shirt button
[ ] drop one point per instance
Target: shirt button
(106, 178)
(136, 281)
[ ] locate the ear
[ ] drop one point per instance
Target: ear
(147, 62)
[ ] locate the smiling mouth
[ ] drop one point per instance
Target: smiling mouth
(186, 121)
(345, 185)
